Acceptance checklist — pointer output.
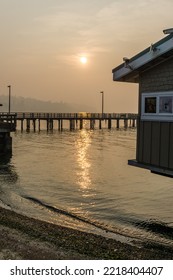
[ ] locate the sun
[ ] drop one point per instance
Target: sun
(83, 59)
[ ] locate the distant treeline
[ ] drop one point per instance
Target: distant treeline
(25, 104)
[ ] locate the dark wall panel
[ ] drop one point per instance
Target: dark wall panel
(171, 146)
(164, 144)
(140, 137)
(155, 143)
(147, 142)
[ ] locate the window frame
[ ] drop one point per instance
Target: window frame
(157, 116)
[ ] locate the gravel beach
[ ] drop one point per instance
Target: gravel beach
(24, 238)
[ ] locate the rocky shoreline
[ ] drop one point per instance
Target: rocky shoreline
(24, 238)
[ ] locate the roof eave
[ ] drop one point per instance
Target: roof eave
(130, 70)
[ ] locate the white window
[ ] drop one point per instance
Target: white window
(157, 106)
(165, 105)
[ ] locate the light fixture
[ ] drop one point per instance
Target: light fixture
(153, 48)
(168, 31)
(126, 63)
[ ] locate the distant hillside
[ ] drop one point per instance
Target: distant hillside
(23, 104)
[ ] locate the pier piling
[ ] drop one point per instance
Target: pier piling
(118, 123)
(109, 123)
(81, 123)
(100, 124)
(28, 125)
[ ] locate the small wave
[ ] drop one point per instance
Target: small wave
(157, 227)
(74, 216)
(4, 205)
(67, 213)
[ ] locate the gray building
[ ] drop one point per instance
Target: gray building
(152, 69)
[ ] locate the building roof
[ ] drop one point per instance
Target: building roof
(157, 53)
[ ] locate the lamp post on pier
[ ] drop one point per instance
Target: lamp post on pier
(102, 92)
(9, 99)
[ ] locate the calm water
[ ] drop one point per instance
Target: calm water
(81, 179)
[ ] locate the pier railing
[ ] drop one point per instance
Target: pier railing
(68, 116)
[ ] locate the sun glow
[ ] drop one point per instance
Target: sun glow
(83, 59)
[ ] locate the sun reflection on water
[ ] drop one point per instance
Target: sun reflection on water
(82, 145)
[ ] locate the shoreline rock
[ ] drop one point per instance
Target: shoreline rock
(24, 238)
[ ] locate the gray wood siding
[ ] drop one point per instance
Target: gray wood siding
(155, 144)
(140, 130)
(147, 142)
(171, 147)
(164, 144)
(155, 138)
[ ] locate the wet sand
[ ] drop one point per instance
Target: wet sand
(24, 238)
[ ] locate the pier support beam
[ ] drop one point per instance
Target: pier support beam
(62, 124)
(22, 125)
(109, 124)
(92, 122)
(81, 124)
(76, 122)
(49, 124)
(100, 124)
(28, 125)
(34, 125)
(39, 125)
(133, 123)
(118, 123)
(72, 124)
(125, 123)
(59, 125)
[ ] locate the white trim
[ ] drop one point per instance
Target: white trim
(157, 115)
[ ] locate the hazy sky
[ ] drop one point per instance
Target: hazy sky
(42, 42)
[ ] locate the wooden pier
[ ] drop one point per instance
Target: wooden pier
(76, 120)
